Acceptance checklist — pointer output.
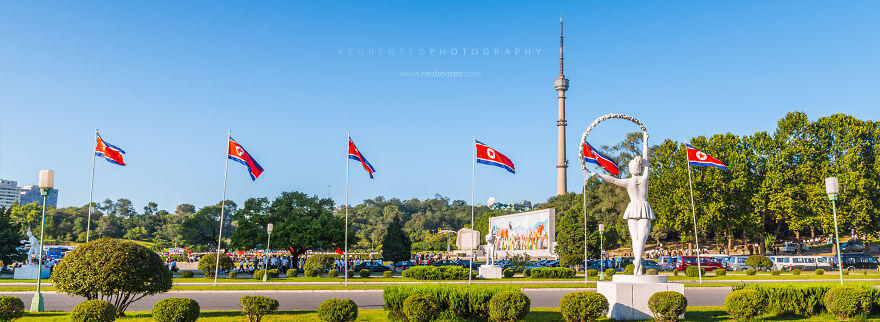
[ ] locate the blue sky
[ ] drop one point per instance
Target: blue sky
(166, 80)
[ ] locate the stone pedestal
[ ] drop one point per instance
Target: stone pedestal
(628, 295)
(29, 272)
(491, 271)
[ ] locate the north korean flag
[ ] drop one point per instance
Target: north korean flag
(355, 154)
(487, 155)
(108, 151)
(591, 155)
(699, 158)
(239, 154)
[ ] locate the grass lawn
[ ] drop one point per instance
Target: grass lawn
(702, 313)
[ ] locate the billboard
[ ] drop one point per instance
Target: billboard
(532, 233)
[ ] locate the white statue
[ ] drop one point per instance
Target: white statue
(33, 246)
(490, 246)
(638, 212)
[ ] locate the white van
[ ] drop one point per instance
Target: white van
(799, 262)
(735, 263)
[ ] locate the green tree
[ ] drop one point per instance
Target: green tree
(9, 239)
(396, 246)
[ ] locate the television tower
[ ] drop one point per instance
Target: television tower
(561, 87)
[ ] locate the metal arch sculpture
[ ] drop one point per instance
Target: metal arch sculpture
(605, 118)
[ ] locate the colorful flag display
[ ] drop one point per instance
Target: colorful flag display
(592, 156)
(699, 158)
(355, 154)
(108, 151)
(487, 155)
(239, 154)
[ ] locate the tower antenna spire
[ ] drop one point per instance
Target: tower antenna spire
(560, 47)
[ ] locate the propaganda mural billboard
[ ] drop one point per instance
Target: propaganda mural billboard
(532, 233)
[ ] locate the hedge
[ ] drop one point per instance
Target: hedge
(255, 307)
(583, 306)
(668, 305)
(338, 310)
(819, 271)
(187, 274)
(93, 311)
(751, 272)
(592, 272)
(387, 274)
(454, 301)
(176, 309)
(420, 308)
(310, 273)
(786, 300)
(11, 308)
(720, 272)
(846, 302)
(552, 272)
(509, 306)
(745, 304)
(796, 272)
(508, 273)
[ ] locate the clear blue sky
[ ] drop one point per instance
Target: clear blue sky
(166, 80)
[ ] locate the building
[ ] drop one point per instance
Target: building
(9, 193)
(561, 85)
(30, 194)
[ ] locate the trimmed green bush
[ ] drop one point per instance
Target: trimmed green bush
(775, 273)
(207, 262)
(293, 272)
(846, 302)
(720, 272)
(273, 273)
(310, 273)
(338, 310)
(319, 263)
(258, 274)
(610, 272)
(527, 272)
(675, 272)
(583, 306)
(508, 273)
(592, 272)
(795, 272)
(350, 273)
(387, 274)
(553, 272)
(745, 304)
(845, 272)
(438, 273)
(819, 271)
(759, 262)
(651, 271)
(667, 306)
(255, 306)
(11, 308)
(509, 306)
(751, 272)
(805, 300)
(420, 308)
(629, 269)
(693, 271)
(176, 309)
(93, 311)
(232, 274)
(333, 273)
(187, 274)
(454, 301)
(365, 273)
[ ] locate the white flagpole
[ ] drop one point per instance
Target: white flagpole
(585, 225)
(222, 209)
(91, 191)
(694, 215)
(473, 175)
(345, 256)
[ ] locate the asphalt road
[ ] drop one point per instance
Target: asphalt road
(310, 300)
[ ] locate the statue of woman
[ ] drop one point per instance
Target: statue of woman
(638, 212)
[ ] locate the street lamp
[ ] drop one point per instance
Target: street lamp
(601, 253)
(47, 181)
(832, 189)
(266, 264)
(447, 232)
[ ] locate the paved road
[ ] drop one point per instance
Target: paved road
(309, 300)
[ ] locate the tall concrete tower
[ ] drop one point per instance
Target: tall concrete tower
(561, 87)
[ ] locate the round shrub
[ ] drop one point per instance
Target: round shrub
(420, 308)
(693, 271)
(819, 271)
(508, 273)
(592, 272)
(610, 272)
(258, 274)
(293, 272)
(751, 272)
(745, 304)
(651, 271)
(583, 306)
(629, 269)
(93, 311)
(310, 273)
(509, 306)
(333, 273)
(759, 262)
(720, 272)
(845, 272)
(350, 273)
(365, 273)
(848, 301)
(187, 274)
(319, 263)
(775, 273)
(11, 308)
(387, 274)
(338, 310)
(796, 272)
(255, 306)
(273, 273)
(667, 306)
(527, 272)
(176, 309)
(207, 262)
(118, 271)
(232, 274)
(675, 272)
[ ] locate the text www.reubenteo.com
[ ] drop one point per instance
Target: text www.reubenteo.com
(437, 74)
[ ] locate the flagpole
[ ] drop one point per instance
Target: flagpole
(694, 215)
(91, 191)
(345, 256)
(585, 225)
(473, 180)
(222, 209)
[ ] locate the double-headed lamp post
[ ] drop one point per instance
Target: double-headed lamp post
(266, 265)
(832, 189)
(47, 181)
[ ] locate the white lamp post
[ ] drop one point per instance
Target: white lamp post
(832, 189)
(601, 253)
(47, 181)
(266, 264)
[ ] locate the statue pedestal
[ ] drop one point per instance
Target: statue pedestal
(491, 271)
(29, 272)
(628, 295)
